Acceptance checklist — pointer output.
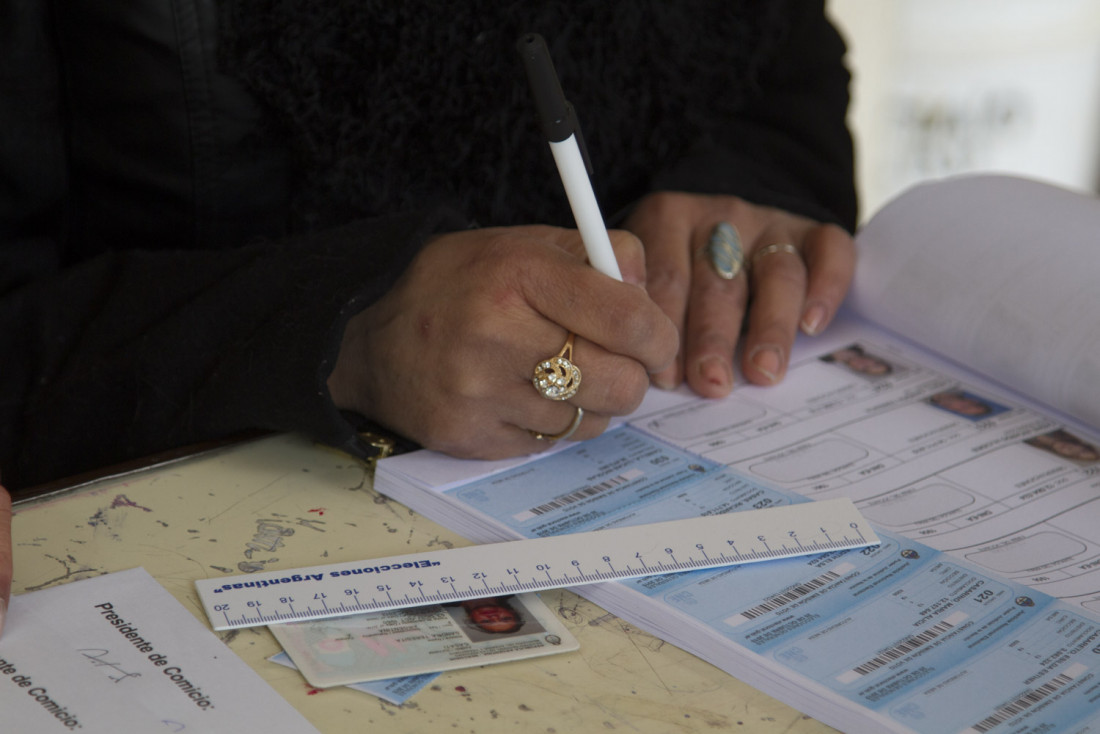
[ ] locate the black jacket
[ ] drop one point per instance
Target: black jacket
(195, 196)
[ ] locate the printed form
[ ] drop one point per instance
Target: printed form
(978, 609)
(921, 455)
(118, 653)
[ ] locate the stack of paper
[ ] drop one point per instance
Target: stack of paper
(977, 613)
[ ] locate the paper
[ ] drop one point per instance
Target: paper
(118, 653)
(962, 467)
(1000, 274)
(428, 639)
(902, 637)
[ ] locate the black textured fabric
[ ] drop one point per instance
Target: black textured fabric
(354, 103)
(387, 105)
(128, 354)
(196, 195)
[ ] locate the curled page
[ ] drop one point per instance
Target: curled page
(997, 273)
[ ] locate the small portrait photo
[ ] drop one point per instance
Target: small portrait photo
(1066, 445)
(493, 617)
(861, 362)
(965, 404)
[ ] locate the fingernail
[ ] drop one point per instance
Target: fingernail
(767, 360)
(716, 371)
(813, 319)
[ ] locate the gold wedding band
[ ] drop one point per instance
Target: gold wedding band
(577, 417)
(773, 249)
(724, 251)
(557, 378)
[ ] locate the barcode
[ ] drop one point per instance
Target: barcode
(903, 648)
(1026, 701)
(790, 595)
(576, 496)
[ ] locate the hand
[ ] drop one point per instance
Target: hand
(446, 357)
(5, 554)
(785, 292)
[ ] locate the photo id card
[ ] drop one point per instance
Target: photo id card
(428, 639)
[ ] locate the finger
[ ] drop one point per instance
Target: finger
(575, 424)
(5, 554)
(668, 272)
(618, 316)
(830, 255)
(715, 310)
(496, 417)
(492, 439)
(778, 293)
(607, 383)
(630, 255)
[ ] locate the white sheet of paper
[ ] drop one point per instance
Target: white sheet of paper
(118, 653)
(997, 273)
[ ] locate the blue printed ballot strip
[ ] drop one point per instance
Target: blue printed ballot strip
(900, 637)
(513, 567)
(912, 639)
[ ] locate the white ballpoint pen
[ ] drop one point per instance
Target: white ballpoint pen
(560, 125)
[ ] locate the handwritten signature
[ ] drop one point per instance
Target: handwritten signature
(99, 658)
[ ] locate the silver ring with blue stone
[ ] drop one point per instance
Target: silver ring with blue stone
(724, 251)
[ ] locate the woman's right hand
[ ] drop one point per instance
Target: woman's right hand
(447, 356)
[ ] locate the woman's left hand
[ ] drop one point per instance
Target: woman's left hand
(778, 291)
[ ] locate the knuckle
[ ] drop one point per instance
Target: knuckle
(499, 257)
(663, 280)
(645, 333)
(625, 388)
(661, 202)
(739, 210)
(632, 324)
(623, 238)
(782, 273)
(711, 339)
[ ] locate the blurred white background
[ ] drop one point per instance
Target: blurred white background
(952, 86)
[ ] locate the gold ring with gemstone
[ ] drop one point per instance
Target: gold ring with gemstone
(557, 378)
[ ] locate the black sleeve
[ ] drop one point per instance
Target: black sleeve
(167, 337)
(790, 147)
(132, 353)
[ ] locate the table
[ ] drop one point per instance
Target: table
(283, 502)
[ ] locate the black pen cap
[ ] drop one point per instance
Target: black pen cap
(555, 113)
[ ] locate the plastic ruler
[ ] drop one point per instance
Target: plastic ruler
(518, 566)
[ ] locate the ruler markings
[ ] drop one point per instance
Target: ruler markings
(493, 569)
